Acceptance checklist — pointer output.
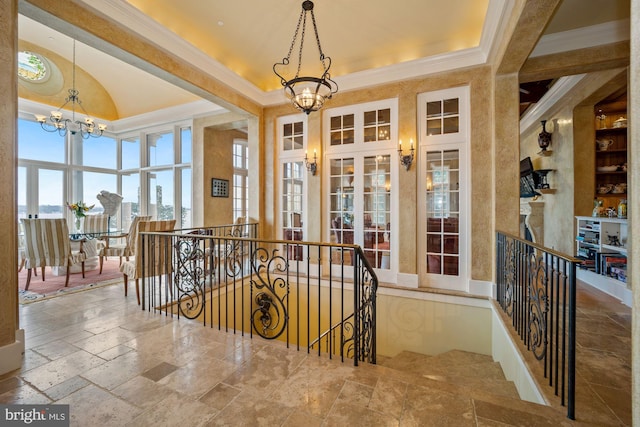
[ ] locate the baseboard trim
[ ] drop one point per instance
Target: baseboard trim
(11, 354)
(482, 288)
(613, 287)
(407, 280)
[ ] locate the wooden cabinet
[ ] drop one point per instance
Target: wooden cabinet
(611, 153)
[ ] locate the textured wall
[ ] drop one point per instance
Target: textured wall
(479, 80)
(8, 156)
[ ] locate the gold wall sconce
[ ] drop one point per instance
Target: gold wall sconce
(406, 159)
(312, 165)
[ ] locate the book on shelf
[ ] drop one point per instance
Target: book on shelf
(612, 260)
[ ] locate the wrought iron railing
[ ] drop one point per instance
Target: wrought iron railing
(288, 290)
(536, 288)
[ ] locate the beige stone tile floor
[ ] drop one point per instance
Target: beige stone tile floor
(116, 365)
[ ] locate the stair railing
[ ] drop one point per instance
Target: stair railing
(536, 289)
(286, 290)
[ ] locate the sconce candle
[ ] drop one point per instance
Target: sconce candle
(406, 160)
(312, 166)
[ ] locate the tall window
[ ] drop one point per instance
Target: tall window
(240, 179)
(443, 165)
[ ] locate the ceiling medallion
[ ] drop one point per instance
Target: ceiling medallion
(306, 93)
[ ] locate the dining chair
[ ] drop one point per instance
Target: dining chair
(127, 248)
(96, 226)
(47, 244)
(22, 257)
(157, 257)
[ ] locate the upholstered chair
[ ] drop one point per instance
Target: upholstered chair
(22, 257)
(47, 244)
(126, 249)
(133, 269)
(97, 226)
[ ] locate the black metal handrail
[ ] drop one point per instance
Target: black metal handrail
(536, 288)
(288, 290)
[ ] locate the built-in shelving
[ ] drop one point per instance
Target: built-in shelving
(601, 244)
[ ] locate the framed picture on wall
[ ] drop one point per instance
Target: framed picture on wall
(219, 187)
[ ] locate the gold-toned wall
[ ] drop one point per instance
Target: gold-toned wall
(212, 145)
(479, 80)
(8, 156)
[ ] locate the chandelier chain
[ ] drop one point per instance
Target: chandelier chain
(315, 29)
(295, 37)
(304, 26)
(307, 93)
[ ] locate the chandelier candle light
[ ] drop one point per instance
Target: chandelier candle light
(305, 92)
(85, 128)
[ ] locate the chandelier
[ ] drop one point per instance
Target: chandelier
(57, 123)
(307, 93)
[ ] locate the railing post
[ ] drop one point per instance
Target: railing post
(356, 307)
(571, 398)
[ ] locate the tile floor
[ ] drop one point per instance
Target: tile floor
(116, 365)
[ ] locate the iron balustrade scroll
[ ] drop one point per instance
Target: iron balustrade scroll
(287, 290)
(536, 289)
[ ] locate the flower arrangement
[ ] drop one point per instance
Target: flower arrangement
(79, 210)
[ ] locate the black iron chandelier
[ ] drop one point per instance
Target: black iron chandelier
(307, 93)
(57, 123)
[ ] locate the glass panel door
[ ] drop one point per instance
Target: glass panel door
(443, 212)
(341, 205)
(292, 209)
(376, 215)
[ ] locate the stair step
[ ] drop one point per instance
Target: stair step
(457, 367)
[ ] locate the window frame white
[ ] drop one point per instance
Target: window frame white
(359, 150)
(460, 141)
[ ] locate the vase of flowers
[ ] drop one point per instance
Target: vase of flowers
(79, 210)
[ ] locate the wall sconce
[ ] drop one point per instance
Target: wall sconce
(312, 166)
(406, 159)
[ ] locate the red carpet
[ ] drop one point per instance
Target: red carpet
(54, 285)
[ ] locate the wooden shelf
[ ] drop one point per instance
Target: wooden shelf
(546, 190)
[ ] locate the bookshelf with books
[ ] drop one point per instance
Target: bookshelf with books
(601, 244)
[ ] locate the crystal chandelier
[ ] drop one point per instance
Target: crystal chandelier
(57, 123)
(307, 93)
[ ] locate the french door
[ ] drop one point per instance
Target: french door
(360, 208)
